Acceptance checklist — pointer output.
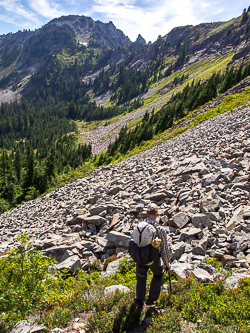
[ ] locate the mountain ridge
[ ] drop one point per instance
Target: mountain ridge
(29, 49)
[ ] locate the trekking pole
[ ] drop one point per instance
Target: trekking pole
(170, 287)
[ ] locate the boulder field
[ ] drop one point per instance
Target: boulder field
(199, 180)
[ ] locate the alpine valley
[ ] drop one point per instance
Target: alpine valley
(93, 127)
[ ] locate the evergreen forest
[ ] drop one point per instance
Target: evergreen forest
(38, 134)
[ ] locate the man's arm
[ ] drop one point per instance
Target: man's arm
(164, 247)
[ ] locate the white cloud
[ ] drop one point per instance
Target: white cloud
(14, 11)
(205, 5)
(131, 16)
(150, 20)
(48, 9)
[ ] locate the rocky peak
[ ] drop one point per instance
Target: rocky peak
(140, 40)
(86, 28)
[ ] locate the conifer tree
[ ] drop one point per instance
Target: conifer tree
(50, 164)
(29, 168)
(3, 165)
(17, 164)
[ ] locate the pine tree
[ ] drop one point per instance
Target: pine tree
(29, 168)
(3, 164)
(17, 165)
(50, 164)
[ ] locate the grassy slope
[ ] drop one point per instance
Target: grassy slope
(163, 90)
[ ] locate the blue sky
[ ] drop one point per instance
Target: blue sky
(146, 17)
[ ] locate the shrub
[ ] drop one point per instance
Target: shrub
(109, 260)
(168, 322)
(22, 281)
(4, 205)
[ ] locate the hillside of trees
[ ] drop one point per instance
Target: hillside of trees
(38, 134)
(180, 104)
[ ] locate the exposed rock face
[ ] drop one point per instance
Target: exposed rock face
(200, 181)
(59, 33)
(140, 40)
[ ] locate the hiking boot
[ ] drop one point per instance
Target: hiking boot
(138, 303)
(150, 302)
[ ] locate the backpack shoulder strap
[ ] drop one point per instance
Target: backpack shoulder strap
(140, 232)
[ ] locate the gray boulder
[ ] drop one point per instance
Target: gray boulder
(200, 274)
(157, 196)
(116, 238)
(211, 179)
(112, 289)
(181, 269)
(207, 205)
(177, 250)
(189, 234)
(237, 217)
(58, 252)
(96, 220)
(113, 267)
(70, 264)
(96, 210)
(179, 220)
(26, 326)
(232, 281)
(201, 219)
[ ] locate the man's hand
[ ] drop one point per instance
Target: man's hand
(168, 267)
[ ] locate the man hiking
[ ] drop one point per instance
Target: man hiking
(157, 266)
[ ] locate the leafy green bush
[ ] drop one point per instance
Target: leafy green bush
(168, 322)
(4, 205)
(22, 281)
(27, 288)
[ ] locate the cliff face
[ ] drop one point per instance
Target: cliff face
(85, 29)
(140, 40)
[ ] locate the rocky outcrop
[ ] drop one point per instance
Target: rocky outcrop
(199, 180)
(140, 40)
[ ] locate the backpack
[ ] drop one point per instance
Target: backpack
(140, 248)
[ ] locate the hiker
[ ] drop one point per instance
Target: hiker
(157, 266)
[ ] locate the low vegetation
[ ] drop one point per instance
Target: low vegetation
(30, 286)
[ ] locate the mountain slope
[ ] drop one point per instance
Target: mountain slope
(200, 181)
(69, 85)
